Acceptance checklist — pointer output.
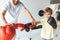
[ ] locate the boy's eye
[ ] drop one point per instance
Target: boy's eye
(47, 13)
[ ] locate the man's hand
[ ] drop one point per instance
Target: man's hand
(33, 22)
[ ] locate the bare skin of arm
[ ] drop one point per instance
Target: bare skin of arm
(34, 22)
(28, 13)
(38, 22)
(24, 9)
(3, 17)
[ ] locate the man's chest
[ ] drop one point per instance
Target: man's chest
(14, 9)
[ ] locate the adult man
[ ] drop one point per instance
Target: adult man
(14, 8)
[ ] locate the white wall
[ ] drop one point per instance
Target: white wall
(34, 6)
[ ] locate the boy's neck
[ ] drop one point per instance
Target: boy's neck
(47, 18)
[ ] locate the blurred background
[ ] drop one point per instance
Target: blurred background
(33, 6)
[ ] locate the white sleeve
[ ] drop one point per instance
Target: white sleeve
(23, 5)
(42, 21)
(6, 6)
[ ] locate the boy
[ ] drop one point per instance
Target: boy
(47, 32)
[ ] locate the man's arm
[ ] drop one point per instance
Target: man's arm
(5, 8)
(28, 13)
(34, 22)
(3, 17)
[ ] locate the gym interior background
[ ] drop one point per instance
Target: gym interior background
(34, 6)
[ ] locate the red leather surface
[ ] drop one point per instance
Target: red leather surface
(7, 32)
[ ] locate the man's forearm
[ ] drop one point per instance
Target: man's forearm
(29, 14)
(3, 17)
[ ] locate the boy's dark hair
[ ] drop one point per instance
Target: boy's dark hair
(48, 9)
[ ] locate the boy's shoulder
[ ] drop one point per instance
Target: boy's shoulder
(43, 19)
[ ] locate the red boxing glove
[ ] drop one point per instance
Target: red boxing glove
(20, 25)
(31, 26)
(7, 32)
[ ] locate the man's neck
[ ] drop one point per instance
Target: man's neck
(16, 3)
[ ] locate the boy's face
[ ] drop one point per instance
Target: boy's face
(15, 2)
(47, 14)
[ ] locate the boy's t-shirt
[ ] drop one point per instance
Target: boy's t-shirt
(47, 30)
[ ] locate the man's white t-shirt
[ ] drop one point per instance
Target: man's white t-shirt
(14, 10)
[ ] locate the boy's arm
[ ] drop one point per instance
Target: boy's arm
(38, 22)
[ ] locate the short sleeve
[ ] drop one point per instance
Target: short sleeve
(23, 5)
(6, 6)
(42, 21)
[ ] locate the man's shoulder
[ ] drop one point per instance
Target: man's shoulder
(20, 2)
(8, 3)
